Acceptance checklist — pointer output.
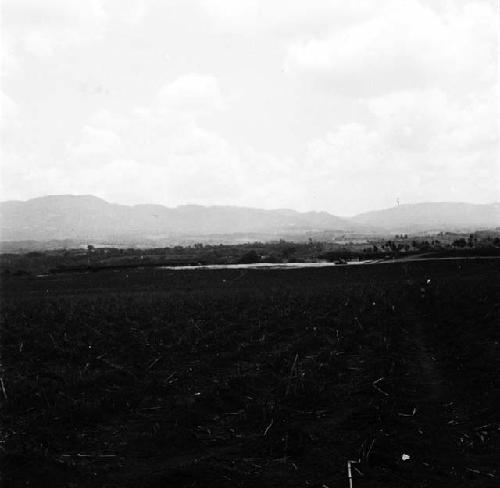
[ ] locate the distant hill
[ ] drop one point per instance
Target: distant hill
(85, 218)
(432, 216)
(90, 218)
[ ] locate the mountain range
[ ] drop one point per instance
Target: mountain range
(86, 218)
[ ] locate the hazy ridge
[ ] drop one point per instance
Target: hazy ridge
(87, 218)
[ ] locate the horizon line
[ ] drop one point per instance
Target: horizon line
(81, 195)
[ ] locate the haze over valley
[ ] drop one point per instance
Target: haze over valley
(84, 219)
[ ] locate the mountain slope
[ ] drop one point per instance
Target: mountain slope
(88, 217)
(432, 216)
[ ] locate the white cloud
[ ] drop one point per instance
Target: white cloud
(8, 111)
(158, 152)
(97, 142)
(192, 92)
(380, 99)
(9, 61)
(43, 27)
(285, 18)
(407, 45)
(161, 153)
(413, 145)
(432, 121)
(416, 146)
(129, 12)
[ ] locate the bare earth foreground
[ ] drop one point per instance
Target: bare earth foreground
(227, 378)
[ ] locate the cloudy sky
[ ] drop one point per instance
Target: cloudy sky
(313, 105)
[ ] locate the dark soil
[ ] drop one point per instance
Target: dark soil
(241, 378)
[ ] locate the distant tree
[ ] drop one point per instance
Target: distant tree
(288, 251)
(250, 257)
(460, 242)
(34, 254)
(272, 258)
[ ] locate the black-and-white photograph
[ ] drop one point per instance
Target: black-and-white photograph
(250, 243)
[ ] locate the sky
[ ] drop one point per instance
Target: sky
(311, 105)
